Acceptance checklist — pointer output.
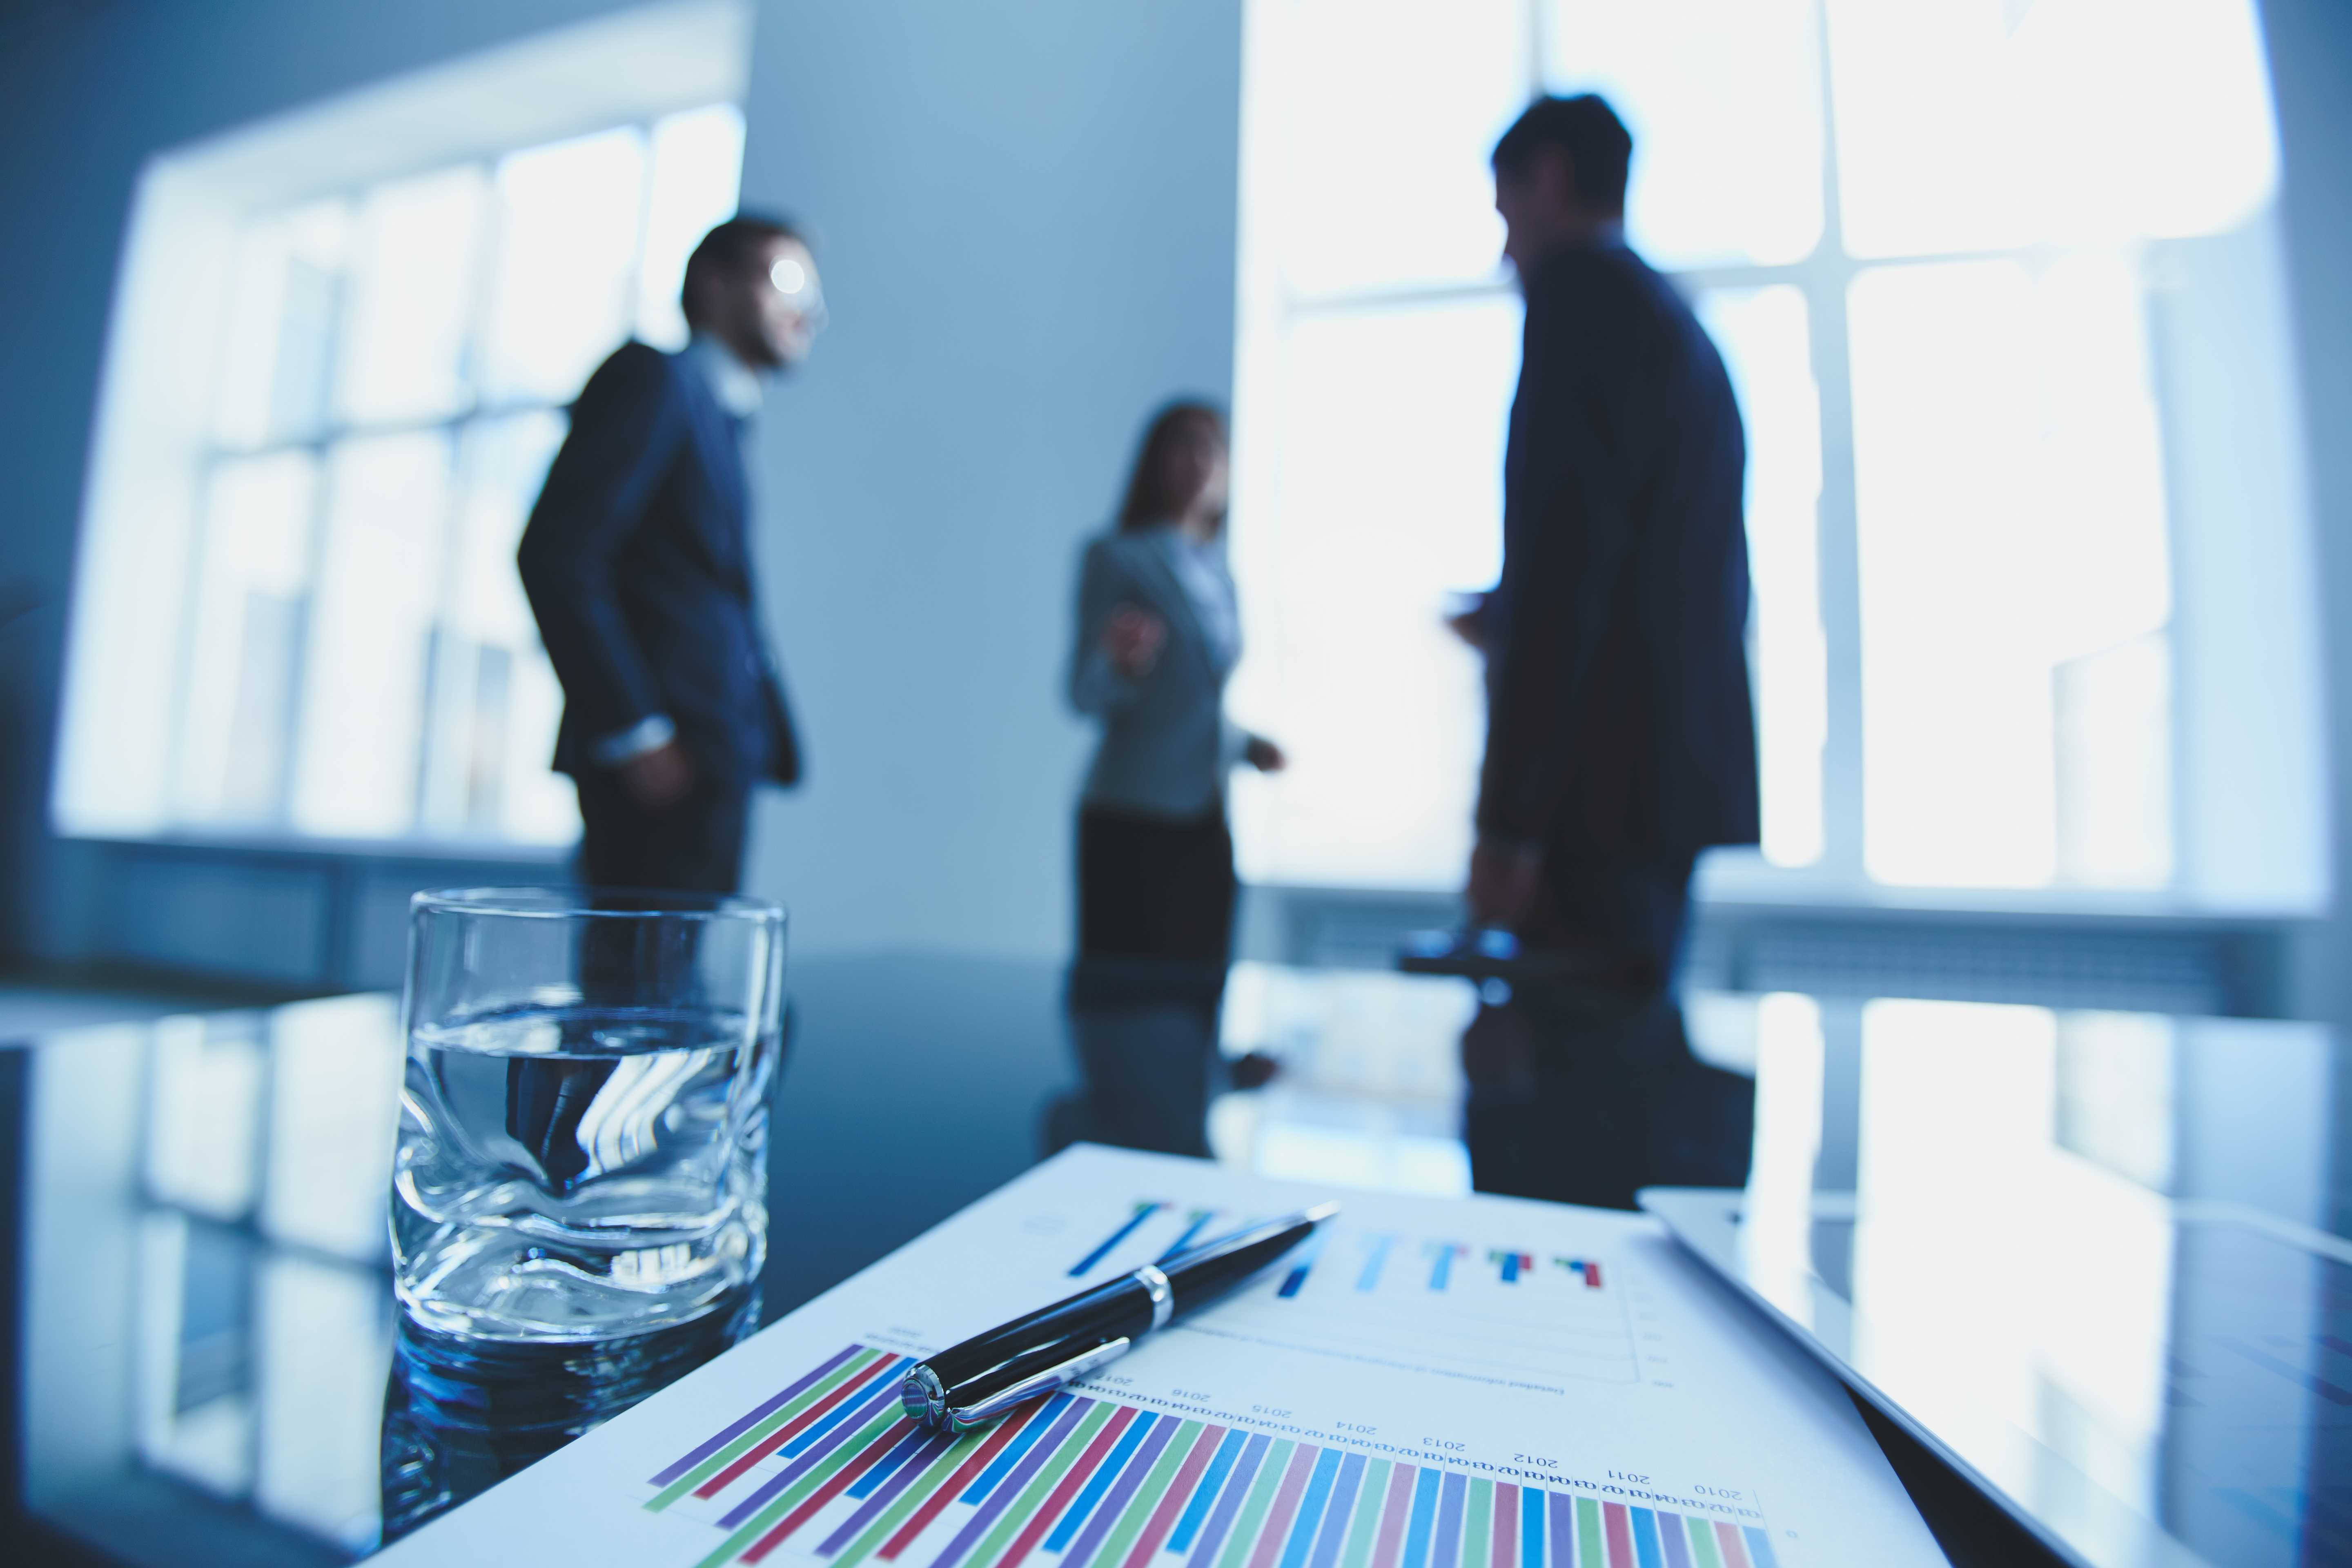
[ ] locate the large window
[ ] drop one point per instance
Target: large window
(361, 662)
(1967, 261)
(343, 342)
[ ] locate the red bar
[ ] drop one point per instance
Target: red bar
(1735, 1551)
(1034, 1531)
(832, 1489)
(1592, 1277)
(1286, 1504)
(954, 1484)
(1392, 1520)
(1164, 1518)
(1620, 1526)
(1507, 1525)
(791, 1428)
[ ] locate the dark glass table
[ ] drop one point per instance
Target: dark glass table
(197, 1325)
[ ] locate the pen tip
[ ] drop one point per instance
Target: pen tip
(1320, 1212)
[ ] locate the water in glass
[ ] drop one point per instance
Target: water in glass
(572, 1171)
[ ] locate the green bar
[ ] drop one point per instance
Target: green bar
(1482, 1517)
(1261, 1497)
(911, 1498)
(1364, 1534)
(1588, 1534)
(728, 1456)
(1702, 1538)
(1024, 1506)
(1147, 1496)
(754, 1527)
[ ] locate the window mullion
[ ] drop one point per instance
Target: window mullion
(1837, 527)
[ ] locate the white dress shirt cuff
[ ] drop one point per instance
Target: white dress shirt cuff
(650, 734)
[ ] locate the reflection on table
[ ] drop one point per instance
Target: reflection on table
(206, 1333)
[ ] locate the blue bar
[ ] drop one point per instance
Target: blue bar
(1310, 1512)
(1563, 1531)
(935, 1444)
(1372, 1262)
(1142, 1212)
(985, 1515)
(1011, 1453)
(1645, 1539)
(841, 1415)
(1675, 1537)
(1131, 1478)
(1205, 1494)
(877, 1474)
(1199, 1217)
(1531, 1529)
(737, 1428)
(1759, 1547)
(1424, 1516)
(1449, 1520)
(1129, 1441)
(1230, 1504)
(1343, 1503)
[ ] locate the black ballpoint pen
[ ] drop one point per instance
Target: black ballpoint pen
(989, 1374)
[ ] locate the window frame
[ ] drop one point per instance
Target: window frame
(1822, 279)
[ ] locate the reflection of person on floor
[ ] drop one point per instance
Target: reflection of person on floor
(1157, 633)
(1621, 738)
(1579, 1098)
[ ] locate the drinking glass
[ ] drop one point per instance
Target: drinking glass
(582, 1148)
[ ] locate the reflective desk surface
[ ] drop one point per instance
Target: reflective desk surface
(196, 1331)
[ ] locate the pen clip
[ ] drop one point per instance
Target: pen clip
(1084, 1365)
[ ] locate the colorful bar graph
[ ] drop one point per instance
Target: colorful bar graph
(1513, 1264)
(1442, 1255)
(1143, 1210)
(829, 1461)
(1588, 1272)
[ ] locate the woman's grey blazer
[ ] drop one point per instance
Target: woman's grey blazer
(1165, 742)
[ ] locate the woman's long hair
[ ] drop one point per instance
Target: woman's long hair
(1157, 491)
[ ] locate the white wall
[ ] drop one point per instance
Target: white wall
(1024, 218)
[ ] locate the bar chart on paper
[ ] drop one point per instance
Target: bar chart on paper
(1423, 1384)
(1476, 1308)
(828, 1467)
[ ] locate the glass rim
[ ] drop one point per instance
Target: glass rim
(576, 902)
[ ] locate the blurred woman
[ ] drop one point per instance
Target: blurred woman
(1157, 634)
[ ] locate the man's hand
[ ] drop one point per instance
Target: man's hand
(1264, 755)
(1504, 875)
(1132, 641)
(658, 779)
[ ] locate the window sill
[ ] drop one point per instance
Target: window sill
(292, 847)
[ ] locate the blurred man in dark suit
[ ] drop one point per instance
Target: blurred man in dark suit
(1621, 740)
(638, 562)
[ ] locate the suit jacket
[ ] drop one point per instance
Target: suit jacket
(638, 563)
(1165, 742)
(1619, 720)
